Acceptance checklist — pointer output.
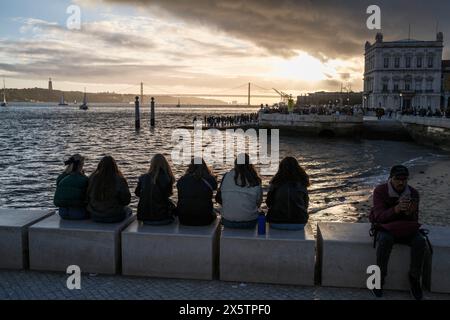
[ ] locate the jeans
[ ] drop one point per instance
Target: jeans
(116, 219)
(73, 213)
(286, 226)
(159, 223)
(239, 224)
(385, 243)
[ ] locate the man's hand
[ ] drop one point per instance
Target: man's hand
(403, 206)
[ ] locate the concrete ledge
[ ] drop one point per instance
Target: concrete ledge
(14, 236)
(172, 251)
(56, 244)
(439, 278)
(279, 257)
(345, 250)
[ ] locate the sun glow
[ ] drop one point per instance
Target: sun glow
(302, 67)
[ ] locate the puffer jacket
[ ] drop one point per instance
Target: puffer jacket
(71, 190)
(288, 203)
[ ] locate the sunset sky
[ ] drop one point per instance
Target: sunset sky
(201, 46)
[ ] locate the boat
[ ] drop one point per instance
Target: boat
(178, 105)
(84, 106)
(62, 102)
(4, 104)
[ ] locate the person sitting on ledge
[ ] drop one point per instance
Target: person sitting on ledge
(154, 190)
(108, 193)
(288, 198)
(240, 195)
(71, 187)
(394, 217)
(195, 193)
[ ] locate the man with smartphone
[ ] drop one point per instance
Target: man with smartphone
(395, 216)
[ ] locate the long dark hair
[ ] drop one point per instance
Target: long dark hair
(198, 170)
(245, 173)
(290, 171)
(159, 163)
(103, 180)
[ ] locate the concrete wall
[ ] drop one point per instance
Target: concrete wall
(313, 124)
(433, 132)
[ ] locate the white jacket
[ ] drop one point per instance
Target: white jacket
(239, 203)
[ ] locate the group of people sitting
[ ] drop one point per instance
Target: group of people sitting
(105, 196)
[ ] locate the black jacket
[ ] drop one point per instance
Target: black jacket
(195, 206)
(114, 206)
(288, 203)
(154, 203)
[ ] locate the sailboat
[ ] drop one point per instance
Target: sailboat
(178, 105)
(62, 102)
(3, 104)
(84, 106)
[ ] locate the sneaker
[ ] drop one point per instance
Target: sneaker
(378, 292)
(416, 288)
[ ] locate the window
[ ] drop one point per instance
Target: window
(418, 85)
(386, 62)
(385, 87)
(408, 62)
(396, 87)
(419, 62)
(430, 62)
(430, 85)
(408, 86)
(397, 62)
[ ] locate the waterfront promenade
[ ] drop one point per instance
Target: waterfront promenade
(31, 285)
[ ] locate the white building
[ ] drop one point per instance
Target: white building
(403, 74)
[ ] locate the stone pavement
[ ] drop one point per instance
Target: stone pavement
(52, 286)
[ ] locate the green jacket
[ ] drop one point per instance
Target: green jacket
(71, 191)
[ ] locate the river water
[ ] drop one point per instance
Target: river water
(36, 139)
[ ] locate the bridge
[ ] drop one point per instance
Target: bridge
(251, 91)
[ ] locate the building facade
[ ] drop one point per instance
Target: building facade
(445, 84)
(338, 98)
(403, 74)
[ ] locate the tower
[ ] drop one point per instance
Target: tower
(50, 84)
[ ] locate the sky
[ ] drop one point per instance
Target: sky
(203, 46)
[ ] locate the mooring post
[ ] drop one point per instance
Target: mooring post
(137, 122)
(152, 112)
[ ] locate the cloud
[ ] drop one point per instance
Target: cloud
(326, 28)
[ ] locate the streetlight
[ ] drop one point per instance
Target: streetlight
(401, 103)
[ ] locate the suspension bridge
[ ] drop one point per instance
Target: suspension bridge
(248, 90)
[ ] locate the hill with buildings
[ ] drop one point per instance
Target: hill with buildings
(54, 96)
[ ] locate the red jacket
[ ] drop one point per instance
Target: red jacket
(383, 213)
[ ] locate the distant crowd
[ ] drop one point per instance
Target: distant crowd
(422, 112)
(321, 110)
(229, 121)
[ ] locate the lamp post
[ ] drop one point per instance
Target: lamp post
(401, 103)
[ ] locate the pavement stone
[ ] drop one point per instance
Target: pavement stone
(34, 285)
